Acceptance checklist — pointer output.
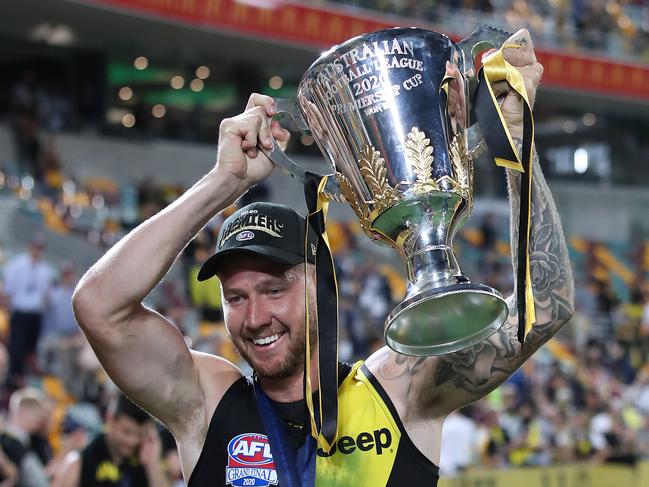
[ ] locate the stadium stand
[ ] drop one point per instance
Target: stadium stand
(74, 169)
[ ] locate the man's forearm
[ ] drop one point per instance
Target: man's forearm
(128, 272)
(481, 368)
(550, 268)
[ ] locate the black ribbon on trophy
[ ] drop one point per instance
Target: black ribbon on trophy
(501, 146)
(324, 419)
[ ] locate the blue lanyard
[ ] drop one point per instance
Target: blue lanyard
(295, 468)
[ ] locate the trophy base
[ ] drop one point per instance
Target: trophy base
(445, 319)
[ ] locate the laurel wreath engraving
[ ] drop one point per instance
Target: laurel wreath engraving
(420, 154)
(373, 170)
(462, 167)
(361, 210)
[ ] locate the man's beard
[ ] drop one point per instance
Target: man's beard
(293, 361)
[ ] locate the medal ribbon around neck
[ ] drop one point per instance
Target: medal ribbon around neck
(501, 146)
(324, 419)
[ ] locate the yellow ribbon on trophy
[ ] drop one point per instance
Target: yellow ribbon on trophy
(495, 68)
(324, 425)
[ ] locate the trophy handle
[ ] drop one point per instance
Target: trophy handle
(287, 109)
(483, 37)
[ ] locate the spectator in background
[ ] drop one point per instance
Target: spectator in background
(74, 436)
(127, 454)
(30, 414)
(489, 233)
(459, 441)
(62, 338)
(493, 440)
(205, 296)
(510, 418)
(644, 324)
(27, 281)
(54, 107)
(172, 304)
(607, 303)
(25, 123)
(8, 471)
(50, 163)
(375, 296)
(4, 363)
(582, 446)
(638, 393)
(620, 365)
(171, 460)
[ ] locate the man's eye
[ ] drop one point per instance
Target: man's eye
(233, 299)
(275, 291)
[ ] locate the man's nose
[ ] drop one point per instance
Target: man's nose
(258, 313)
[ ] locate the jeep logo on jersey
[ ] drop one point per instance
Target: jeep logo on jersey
(377, 440)
(250, 461)
(245, 235)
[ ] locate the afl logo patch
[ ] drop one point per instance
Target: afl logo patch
(245, 235)
(250, 461)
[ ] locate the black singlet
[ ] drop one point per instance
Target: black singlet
(372, 450)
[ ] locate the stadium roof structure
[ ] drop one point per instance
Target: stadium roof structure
(282, 34)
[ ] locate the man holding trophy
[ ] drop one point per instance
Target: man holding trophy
(389, 110)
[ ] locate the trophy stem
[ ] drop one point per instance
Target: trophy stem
(442, 311)
(434, 265)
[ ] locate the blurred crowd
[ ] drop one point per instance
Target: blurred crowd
(617, 26)
(101, 210)
(56, 401)
(583, 398)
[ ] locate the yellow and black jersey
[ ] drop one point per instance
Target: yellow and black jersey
(372, 448)
(99, 470)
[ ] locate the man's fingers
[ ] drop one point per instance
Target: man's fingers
(264, 101)
(252, 127)
(500, 88)
(264, 127)
(535, 72)
(255, 127)
(518, 50)
(282, 135)
(531, 77)
(249, 142)
(244, 127)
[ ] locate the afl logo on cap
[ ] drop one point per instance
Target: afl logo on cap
(245, 235)
(250, 461)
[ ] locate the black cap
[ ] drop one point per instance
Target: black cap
(268, 229)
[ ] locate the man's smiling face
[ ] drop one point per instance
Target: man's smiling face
(264, 313)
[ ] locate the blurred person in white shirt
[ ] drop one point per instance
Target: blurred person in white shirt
(459, 443)
(61, 338)
(27, 281)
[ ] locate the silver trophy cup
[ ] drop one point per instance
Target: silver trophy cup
(390, 112)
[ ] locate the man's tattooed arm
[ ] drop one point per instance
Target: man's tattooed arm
(480, 369)
(442, 384)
